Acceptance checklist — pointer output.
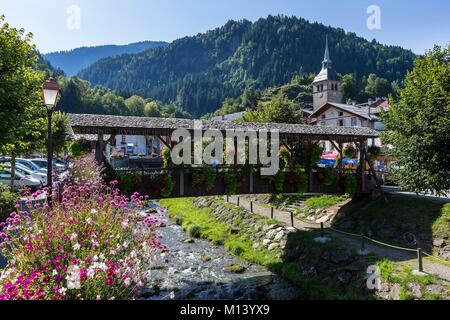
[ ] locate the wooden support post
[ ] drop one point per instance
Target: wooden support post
(99, 148)
(420, 258)
(182, 182)
(322, 233)
(166, 143)
(292, 219)
(362, 164)
(341, 156)
(251, 206)
(251, 181)
(272, 213)
(238, 201)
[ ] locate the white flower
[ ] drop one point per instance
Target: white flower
(89, 221)
(76, 246)
(73, 277)
(172, 295)
(73, 237)
(101, 266)
(102, 257)
(95, 258)
(127, 282)
(91, 273)
(54, 273)
(94, 211)
(63, 291)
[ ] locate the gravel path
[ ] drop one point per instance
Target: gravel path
(441, 270)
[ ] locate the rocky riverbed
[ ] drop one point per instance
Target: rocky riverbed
(200, 271)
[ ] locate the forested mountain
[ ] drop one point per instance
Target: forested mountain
(73, 61)
(298, 91)
(199, 72)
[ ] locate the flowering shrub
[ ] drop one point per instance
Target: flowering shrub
(92, 244)
(86, 169)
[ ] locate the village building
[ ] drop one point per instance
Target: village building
(330, 111)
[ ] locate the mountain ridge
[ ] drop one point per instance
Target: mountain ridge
(199, 72)
(74, 60)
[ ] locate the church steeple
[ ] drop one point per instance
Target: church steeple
(327, 86)
(327, 63)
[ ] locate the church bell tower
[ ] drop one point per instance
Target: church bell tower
(327, 85)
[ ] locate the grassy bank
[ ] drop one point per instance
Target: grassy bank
(200, 223)
(299, 256)
(403, 276)
(427, 220)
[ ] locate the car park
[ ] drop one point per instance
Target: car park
(42, 163)
(31, 165)
(21, 181)
(29, 173)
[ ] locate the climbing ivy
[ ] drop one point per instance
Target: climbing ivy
(229, 177)
(303, 181)
(351, 184)
(279, 181)
(167, 185)
(350, 152)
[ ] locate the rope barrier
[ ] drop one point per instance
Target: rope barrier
(390, 245)
(359, 236)
(370, 239)
(434, 257)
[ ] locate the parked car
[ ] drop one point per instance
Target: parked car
(42, 163)
(20, 180)
(29, 173)
(31, 165)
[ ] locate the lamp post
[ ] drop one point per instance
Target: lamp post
(50, 95)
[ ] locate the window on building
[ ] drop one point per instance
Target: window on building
(124, 139)
(341, 114)
(324, 116)
(341, 123)
(321, 87)
(354, 122)
(336, 87)
(318, 88)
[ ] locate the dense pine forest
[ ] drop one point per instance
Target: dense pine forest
(198, 73)
(75, 60)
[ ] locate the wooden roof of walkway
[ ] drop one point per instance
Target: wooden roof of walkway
(116, 125)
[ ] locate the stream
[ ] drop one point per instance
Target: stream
(196, 271)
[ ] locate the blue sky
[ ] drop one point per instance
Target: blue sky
(413, 24)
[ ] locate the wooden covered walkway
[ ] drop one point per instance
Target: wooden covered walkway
(295, 137)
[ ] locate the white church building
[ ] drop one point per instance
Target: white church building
(328, 109)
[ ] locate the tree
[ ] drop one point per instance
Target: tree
(418, 125)
(279, 110)
(377, 87)
(349, 88)
(22, 117)
(152, 110)
(135, 105)
(60, 131)
(19, 83)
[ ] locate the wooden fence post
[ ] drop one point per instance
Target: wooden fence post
(420, 258)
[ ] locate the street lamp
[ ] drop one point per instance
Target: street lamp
(50, 95)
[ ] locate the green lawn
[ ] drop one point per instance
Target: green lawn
(325, 201)
(189, 216)
(429, 219)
